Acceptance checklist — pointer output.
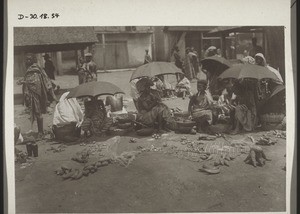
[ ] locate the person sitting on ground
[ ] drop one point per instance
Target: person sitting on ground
(245, 111)
(67, 119)
(158, 85)
(167, 87)
(116, 104)
(183, 87)
(199, 107)
(226, 103)
(151, 109)
(95, 120)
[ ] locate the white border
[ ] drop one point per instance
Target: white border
(149, 13)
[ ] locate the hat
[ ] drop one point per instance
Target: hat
(46, 56)
(88, 54)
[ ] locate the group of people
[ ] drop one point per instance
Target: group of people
(237, 101)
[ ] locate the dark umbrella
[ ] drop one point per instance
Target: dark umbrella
(277, 90)
(153, 69)
(248, 71)
(215, 64)
(94, 89)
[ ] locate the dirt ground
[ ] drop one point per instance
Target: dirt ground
(154, 182)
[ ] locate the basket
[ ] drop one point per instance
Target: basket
(186, 124)
(272, 118)
(184, 114)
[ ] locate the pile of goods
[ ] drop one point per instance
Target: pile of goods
(81, 157)
(60, 148)
(20, 156)
(265, 141)
(76, 174)
(186, 126)
(272, 121)
(256, 156)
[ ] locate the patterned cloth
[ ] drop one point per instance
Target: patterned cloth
(151, 107)
(245, 111)
(35, 88)
(199, 107)
(88, 72)
(95, 119)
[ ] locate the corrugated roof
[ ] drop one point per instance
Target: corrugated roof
(28, 36)
(190, 28)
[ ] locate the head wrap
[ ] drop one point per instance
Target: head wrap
(261, 56)
(249, 60)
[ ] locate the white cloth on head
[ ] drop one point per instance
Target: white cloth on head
(276, 72)
(67, 111)
(133, 90)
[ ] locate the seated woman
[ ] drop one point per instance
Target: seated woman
(67, 119)
(183, 87)
(199, 107)
(95, 120)
(245, 111)
(151, 108)
(226, 103)
(158, 85)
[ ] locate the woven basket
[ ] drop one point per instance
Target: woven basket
(271, 118)
(181, 114)
(187, 123)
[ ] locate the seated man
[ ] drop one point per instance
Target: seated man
(199, 107)
(245, 111)
(183, 87)
(151, 108)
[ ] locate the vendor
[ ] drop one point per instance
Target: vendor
(226, 102)
(183, 87)
(151, 108)
(245, 111)
(199, 107)
(95, 120)
(67, 119)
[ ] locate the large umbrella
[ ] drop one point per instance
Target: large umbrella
(155, 68)
(245, 71)
(94, 89)
(215, 64)
(277, 90)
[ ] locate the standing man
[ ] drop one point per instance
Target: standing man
(178, 61)
(49, 67)
(147, 57)
(90, 68)
(35, 92)
(188, 65)
(195, 60)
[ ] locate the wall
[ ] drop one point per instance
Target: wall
(160, 44)
(135, 45)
